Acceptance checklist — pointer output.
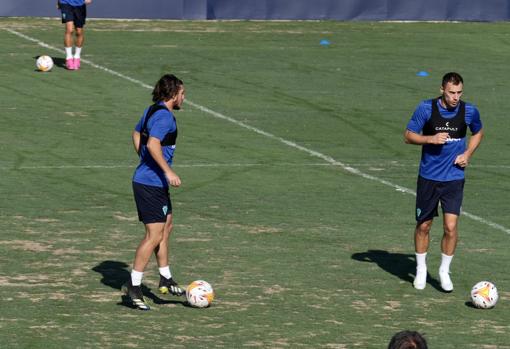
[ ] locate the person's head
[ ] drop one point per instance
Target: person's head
(451, 89)
(170, 90)
(407, 340)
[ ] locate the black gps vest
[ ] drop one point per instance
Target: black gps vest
(456, 126)
(170, 137)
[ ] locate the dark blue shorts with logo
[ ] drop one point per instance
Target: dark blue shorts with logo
(152, 203)
(75, 14)
(430, 193)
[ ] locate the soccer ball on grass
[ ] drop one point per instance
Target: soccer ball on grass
(44, 63)
(484, 295)
(199, 294)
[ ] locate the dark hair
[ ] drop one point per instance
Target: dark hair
(452, 77)
(166, 88)
(407, 340)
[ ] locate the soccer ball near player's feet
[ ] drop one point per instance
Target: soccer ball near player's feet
(484, 295)
(199, 294)
(44, 63)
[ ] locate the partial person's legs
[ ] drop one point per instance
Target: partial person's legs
(421, 236)
(68, 36)
(68, 44)
(166, 283)
(153, 235)
(421, 245)
(450, 236)
(80, 38)
(448, 245)
(161, 250)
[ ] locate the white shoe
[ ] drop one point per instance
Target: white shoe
(420, 281)
(446, 282)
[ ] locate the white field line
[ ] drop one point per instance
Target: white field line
(291, 144)
(372, 166)
(63, 167)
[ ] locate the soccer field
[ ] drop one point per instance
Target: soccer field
(297, 202)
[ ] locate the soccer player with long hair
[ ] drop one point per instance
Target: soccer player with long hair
(154, 139)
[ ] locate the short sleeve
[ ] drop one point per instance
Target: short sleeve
(475, 123)
(420, 117)
(160, 124)
(138, 126)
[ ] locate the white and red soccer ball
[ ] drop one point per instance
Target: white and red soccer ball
(484, 295)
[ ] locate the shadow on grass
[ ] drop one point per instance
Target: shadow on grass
(401, 265)
(470, 304)
(59, 62)
(115, 274)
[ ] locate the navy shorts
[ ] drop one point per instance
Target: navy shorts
(152, 203)
(430, 193)
(76, 14)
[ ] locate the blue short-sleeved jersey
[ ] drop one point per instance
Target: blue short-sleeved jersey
(73, 2)
(437, 160)
(160, 124)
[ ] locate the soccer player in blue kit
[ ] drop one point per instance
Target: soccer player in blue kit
(439, 125)
(74, 15)
(154, 140)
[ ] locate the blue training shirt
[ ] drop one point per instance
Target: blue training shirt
(73, 2)
(148, 171)
(437, 160)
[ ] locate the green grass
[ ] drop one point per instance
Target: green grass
(301, 252)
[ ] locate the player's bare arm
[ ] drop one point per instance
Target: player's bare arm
(474, 141)
(136, 141)
(418, 139)
(154, 147)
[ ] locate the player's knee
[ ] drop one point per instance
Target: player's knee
(157, 239)
(155, 236)
(424, 228)
(450, 229)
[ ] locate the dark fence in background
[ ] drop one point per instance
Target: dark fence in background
(361, 10)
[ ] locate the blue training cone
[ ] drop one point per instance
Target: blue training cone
(422, 73)
(324, 42)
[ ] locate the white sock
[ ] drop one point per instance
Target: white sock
(165, 271)
(136, 277)
(77, 52)
(69, 52)
(421, 260)
(445, 263)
